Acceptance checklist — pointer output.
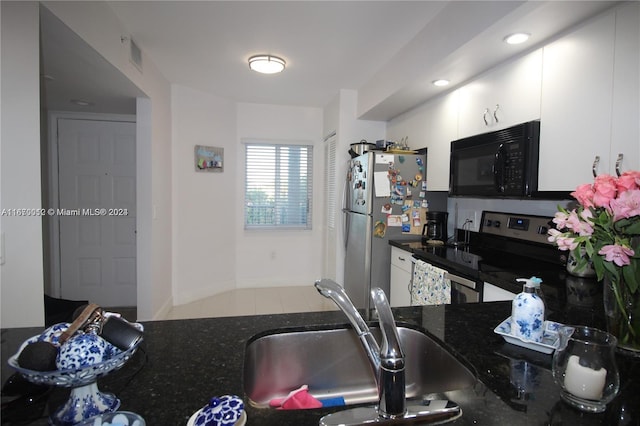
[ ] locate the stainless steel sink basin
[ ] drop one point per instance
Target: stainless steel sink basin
(333, 363)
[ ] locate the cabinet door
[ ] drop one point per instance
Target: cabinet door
(507, 95)
(432, 125)
(442, 129)
(400, 295)
(576, 105)
(625, 137)
(400, 277)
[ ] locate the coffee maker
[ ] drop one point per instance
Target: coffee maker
(436, 227)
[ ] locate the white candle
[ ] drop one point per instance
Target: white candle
(584, 382)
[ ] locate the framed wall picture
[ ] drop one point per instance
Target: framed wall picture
(209, 158)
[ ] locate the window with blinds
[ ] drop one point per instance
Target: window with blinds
(278, 186)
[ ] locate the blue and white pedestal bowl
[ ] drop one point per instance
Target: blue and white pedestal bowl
(85, 400)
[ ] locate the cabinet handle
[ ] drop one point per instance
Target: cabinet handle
(619, 164)
(594, 167)
(495, 113)
(402, 259)
(484, 116)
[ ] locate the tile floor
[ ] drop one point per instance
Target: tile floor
(255, 301)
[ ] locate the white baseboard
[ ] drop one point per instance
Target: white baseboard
(278, 282)
(181, 297)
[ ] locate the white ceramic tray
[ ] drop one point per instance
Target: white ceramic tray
(550, 337)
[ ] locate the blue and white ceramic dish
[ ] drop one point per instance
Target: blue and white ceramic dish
(85, 400)
(73, 377)
(117, 418)
(226, 410)
(550, 337)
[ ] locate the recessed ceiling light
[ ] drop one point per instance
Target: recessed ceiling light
(266, 64)
(440, 82)
(517, 38)
(80, 102)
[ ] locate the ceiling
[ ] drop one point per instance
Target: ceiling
(389, 51)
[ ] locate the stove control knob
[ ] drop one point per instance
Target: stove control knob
(497, 223)
(489, 222)
(542, 230)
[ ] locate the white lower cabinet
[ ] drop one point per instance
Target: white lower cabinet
(401, 268)
(492, 293)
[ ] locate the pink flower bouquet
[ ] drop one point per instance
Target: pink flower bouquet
(604, 229)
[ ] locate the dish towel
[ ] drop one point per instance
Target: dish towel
(301, 399)
(429, 285)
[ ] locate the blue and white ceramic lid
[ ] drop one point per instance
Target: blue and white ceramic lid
(226, 410)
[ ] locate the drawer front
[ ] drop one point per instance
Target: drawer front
(401, 259)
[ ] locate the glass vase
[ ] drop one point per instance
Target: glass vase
(585, 369)
(622, 311)
(579, 265)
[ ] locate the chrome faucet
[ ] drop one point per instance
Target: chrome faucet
(388, 360)
(388, 363)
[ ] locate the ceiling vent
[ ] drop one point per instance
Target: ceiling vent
(135, 54)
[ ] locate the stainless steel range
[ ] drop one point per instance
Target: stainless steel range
(507, 246)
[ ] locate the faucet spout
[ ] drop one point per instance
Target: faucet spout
(391, 381)
(387, 360)
(334, 291)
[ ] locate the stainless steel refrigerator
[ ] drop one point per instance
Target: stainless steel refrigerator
(385, 198)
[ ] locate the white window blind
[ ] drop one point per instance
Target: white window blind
(278, 186)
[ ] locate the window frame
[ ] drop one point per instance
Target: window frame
(279, 203)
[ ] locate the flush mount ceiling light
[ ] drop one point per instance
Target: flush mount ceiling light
(266, 64)
(440, 82)
(517, 38)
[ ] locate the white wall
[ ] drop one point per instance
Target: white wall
(22, 273)
(282, 258)
(469, 206)
(96, 23)
(204, 216)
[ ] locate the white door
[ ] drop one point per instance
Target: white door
(96, 187)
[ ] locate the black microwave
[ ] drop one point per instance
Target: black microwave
(503, 163)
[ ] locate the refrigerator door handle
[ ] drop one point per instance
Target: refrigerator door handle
(346, 227)
(346, 199)
(345, 211)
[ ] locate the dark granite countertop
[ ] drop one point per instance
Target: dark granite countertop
(561, 290)
(183, 363)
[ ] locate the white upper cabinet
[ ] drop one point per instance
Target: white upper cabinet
(432, 125)
(584, 87)
(442, 129)
(625, 116)
(502, 97)
(576, 105)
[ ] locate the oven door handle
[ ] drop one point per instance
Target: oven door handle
(465, 282)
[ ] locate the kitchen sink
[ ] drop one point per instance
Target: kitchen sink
(333, 363)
